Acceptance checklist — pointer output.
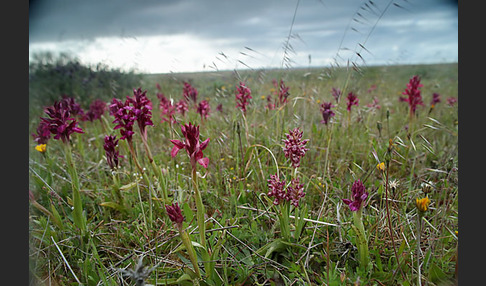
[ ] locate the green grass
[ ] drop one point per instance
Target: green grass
(241, 222)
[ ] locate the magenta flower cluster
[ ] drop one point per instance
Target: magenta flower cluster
(281, 92)
(189, 92)
(167, 110)
(435, 99)
(134, 109)
(326, 112)
(175, 214)
(243, 96)
(59, 122)
(413, 92)
(112, 154)
(336, 93)
(142, 108)
(43, 133)
(192, 145)
(294, 147)
(293, 193)
(96, 109)
(270, 104)
(375, 104)
(276, 189)
(182, 107)
(451, 101)
(352, 99)
(358, 197)
(203, 109)
(62, 121)
(124, 118)
(70, 104)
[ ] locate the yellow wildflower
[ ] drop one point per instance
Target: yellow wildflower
(41, 148)
(422, 204)
(381, 166)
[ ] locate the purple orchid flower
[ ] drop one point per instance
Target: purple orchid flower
(60, 122)
(359, 195)
(276, 189)
(175, 214)
(243, 96)
(192, 145)
(326, 111)
(112, 155)
(352, 100)
(413, 93)
(294, 146)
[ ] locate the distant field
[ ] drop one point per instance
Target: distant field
(90, 223)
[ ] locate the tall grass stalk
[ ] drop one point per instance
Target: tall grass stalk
(390, 228)
(156, 169)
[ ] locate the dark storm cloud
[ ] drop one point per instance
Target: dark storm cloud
(51, 20)
(380, 30)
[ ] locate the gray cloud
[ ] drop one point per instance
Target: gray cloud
(321, 28)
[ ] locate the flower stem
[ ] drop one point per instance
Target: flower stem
(116, 189)
(134, 156)
(186, 240)
(419, 232)
(79, 219)
(284, 220)
(329, 135)
(199, 209)
(362, 239)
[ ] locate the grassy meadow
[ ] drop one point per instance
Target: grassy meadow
(94, 224)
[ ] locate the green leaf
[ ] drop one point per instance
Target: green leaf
(188, 213)
(128, 186)
(436, 274)
(194, 243)
(405, 283)
(112, 205)
(402, 247)
(78, 216)
(184, 277)
(380, 190)
(379, 265)
(56, 218)
(197, 244)
(427, 257)
(276, 246)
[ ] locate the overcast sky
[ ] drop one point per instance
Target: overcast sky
(207, 35)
